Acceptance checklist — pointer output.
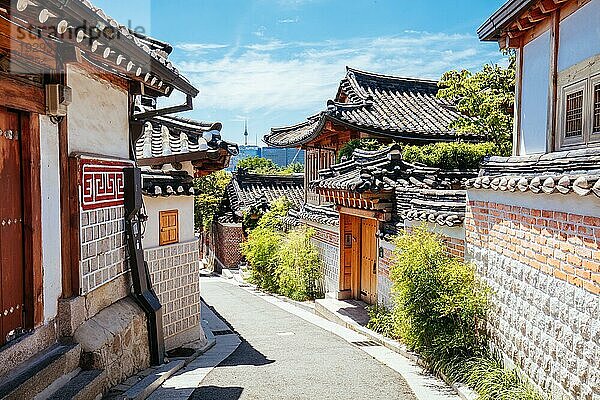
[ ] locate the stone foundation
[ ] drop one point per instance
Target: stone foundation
(115, 340)
(543, 266)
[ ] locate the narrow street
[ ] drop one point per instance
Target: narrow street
(285, 357)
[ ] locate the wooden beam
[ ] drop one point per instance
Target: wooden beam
(32, 211)
(536, 15)
(524, 24)
(21, 95)
(548, 6)
(553, 81)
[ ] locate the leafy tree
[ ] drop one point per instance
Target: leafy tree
(260, 249)
(298, 270)
(452, 155)
(209, 195)
(486, 98)
(294, 168)
(441, 304)
(258, 165)
(362, 144)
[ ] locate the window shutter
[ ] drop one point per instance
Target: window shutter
(169, 227)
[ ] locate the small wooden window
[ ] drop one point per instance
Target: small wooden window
(169, 227)
(574, 115)
(596, 109)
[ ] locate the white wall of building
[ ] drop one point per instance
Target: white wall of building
(455, 232)
(534, 99)
(579, 36)
(51, 232)
(185, 205)
(98, 116)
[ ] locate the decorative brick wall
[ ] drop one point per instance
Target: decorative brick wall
(103, 244)
(543, 268)
(227, 241)
(327, 243)
(174, 271)
(384, 283)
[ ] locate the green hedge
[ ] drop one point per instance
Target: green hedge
(449, 156)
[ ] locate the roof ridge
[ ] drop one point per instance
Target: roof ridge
(390, 77)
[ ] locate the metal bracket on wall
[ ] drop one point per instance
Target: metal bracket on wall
(140, 275)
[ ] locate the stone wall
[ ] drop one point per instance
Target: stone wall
(174, 271)
(227, 241)
(327, 240)
(543, 267)
(103, 244)
(384, 283)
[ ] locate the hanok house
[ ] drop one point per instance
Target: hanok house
(533, 219)
(172, 151)
(351, 217)
(247, 197)
(74, 292)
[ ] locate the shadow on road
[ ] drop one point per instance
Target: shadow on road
(217, 393)
(245, 354)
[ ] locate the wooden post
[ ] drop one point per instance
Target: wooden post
(553, 89)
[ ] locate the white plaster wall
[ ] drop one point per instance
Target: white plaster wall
(579, 36)
(455, 232)
(51, 234)
(185, 205)
(98, 116)
(534, 98)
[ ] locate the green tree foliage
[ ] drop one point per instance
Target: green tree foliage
(209, 195)
(440, 303)
(487, 99)
(381, 320)
(264, 166)
(452, 155)
(258, 165)
(362, 144)
(260, 250)
(298, 271)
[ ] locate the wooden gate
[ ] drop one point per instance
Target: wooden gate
(368, 261)
(11, 226)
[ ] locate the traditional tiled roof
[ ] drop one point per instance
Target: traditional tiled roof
(576, 171)
(117, 47)
(165, 184)
(179, 139)
(419, 192)
(395, 107)
(384, 170)
(247, 190)
(325, 215)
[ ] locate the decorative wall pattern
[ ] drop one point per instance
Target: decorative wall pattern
(102, 184)
(174, 271)
(384, 284)
(327, 244)
(103, 255)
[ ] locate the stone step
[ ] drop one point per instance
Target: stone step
(40, 372)
(87, 385)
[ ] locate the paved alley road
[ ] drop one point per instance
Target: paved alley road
(285, 357)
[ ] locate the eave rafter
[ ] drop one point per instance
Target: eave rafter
(536, 15)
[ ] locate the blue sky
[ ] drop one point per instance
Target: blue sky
(275, 62)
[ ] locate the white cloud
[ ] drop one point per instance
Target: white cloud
(274, 76)
(199, 47)
(260, 32)
(288, 21)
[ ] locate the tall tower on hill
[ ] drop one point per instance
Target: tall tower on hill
(246, 133)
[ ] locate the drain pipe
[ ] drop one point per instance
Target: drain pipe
(140, 275)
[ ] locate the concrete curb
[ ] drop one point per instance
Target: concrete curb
(463, 391)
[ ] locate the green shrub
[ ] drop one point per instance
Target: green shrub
(440, 303)
(449, 156)
(298, 271)
(273, 219)
(363, 144)
(260, 250)
(492, 381)
(210, 191)
(381, 320)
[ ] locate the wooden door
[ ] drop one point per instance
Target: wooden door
(11, 226)
(368, 261)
